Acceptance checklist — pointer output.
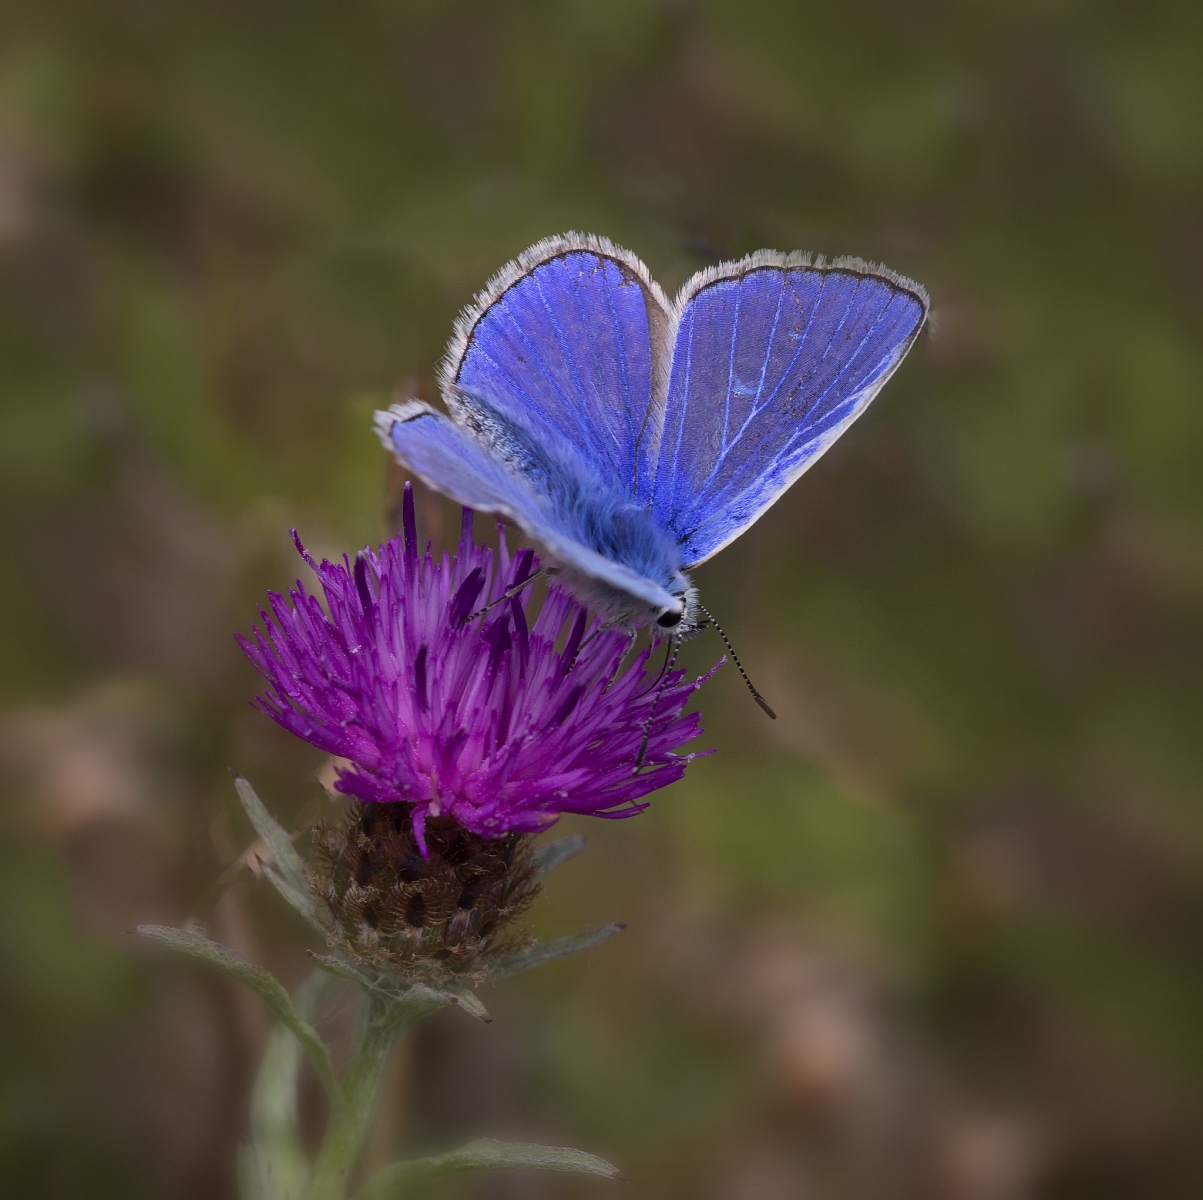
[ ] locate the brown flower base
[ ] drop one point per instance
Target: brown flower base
(433, 917)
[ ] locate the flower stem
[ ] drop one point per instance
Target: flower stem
(382, 1020)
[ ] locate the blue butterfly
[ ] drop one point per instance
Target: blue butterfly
(634, 438)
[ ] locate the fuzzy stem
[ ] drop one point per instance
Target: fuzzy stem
(382, 1020)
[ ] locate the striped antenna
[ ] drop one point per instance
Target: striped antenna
(735, 659)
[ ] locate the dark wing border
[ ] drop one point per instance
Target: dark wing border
(794, 261)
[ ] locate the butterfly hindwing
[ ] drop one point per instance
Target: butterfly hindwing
(774, 358)
(554, 498)
(572, 338)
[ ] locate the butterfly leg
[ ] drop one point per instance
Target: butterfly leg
(666, 674)
(581, 648)
(669, 643)
(601, 629)
(512, 590)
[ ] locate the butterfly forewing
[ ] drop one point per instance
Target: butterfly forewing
(570, 340)
(772, 361)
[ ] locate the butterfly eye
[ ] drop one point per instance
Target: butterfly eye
(669, 618)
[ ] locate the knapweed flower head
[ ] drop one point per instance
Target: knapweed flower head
(455, 714)
(431, 916)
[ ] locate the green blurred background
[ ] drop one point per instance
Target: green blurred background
(936, 933)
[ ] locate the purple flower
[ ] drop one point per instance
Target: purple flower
(481, 719)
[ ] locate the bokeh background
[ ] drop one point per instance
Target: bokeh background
(936, 933)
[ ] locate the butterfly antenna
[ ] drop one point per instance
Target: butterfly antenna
(512, 590)
(735, 659)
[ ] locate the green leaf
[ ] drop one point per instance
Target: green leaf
(547, 857)
(275, 1166)
(467, 999)
(485, 1155)
(284, 871)
(266, 985)
(545, 952)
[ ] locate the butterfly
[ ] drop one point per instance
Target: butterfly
(633, 437)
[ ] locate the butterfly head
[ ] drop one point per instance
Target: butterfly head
(684, 619)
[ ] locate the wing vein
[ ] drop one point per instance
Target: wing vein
(768, 352)
(581, 405)
(681, 420)
(739, 291)
(722, 456)
(622, 366)
(538, 358)
(839, 374)
(802, 341)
